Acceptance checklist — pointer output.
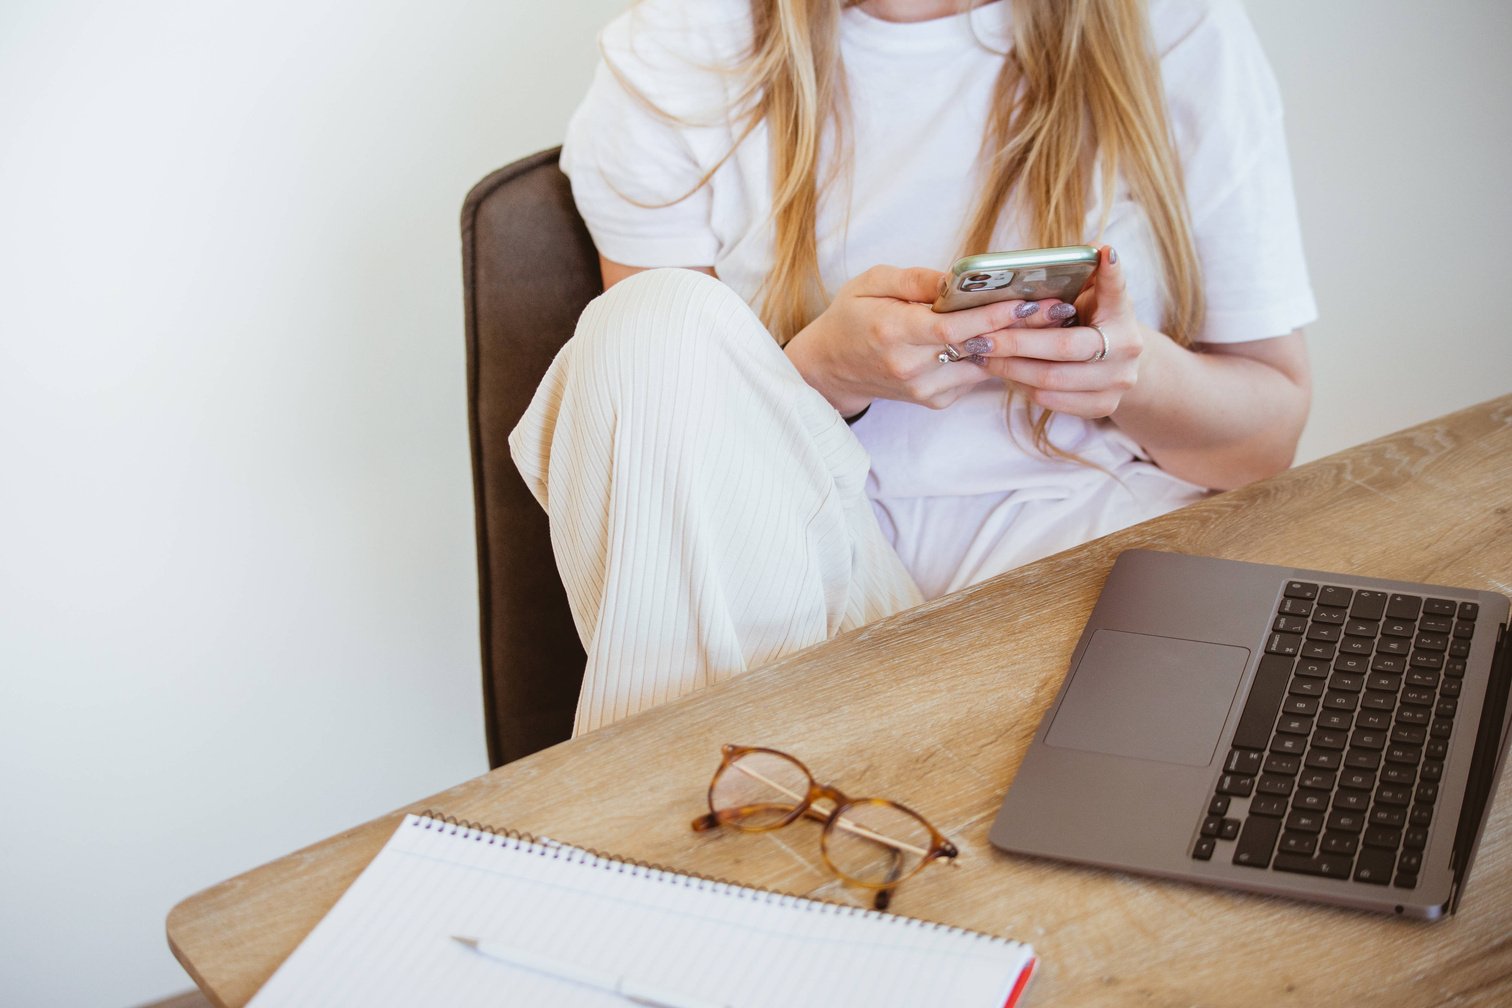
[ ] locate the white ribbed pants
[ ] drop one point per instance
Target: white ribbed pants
(707, 507)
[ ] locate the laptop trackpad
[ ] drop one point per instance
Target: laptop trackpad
(1153, 698)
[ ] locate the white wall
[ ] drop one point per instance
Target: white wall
(1397, 116)
(237, 606)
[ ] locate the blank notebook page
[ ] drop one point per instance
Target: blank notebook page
(388, 941)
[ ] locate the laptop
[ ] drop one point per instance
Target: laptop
(1290, 732)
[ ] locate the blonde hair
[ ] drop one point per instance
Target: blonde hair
(1079, 96)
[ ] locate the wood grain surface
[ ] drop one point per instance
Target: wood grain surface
(934, 708)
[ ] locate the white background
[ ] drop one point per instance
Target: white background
(237, 607)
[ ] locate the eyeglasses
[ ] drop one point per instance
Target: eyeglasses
(871, 842)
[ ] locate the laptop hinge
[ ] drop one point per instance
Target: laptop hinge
(1485, 765)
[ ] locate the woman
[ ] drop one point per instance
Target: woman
(736, 468)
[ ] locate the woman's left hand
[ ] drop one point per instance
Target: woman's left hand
(1087, 368)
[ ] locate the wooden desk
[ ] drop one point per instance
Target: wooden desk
(934, 708)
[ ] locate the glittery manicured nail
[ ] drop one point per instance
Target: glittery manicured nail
(977, 345)
(1112, 256)
(1026, 309)
(978, 360)
(1061, 311)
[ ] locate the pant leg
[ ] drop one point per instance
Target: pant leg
(707, 507)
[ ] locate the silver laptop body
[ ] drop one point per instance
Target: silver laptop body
(1199, 683)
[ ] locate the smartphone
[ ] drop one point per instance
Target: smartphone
(1027, 275)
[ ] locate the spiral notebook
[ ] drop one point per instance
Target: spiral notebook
(389, 939)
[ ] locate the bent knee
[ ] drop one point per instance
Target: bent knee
(665, 313)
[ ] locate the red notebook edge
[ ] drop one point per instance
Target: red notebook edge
(1025, 975)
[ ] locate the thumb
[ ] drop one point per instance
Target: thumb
(1108, 283)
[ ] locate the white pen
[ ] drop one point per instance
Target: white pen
(630, 990)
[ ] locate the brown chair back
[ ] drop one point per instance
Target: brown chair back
(528, 269)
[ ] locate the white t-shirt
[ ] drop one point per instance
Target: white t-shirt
(958, 490)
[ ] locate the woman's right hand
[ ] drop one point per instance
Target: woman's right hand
(879, 339)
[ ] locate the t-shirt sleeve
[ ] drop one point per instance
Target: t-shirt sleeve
(1227, 120)
(628, 150)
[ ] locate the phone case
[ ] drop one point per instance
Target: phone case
(1027, 275)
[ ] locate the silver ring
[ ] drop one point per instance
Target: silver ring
(949, 355)
(1103, 353)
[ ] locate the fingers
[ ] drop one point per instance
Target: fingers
(1075, 345)
(912, 284)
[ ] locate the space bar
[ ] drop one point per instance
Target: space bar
(1264, 702)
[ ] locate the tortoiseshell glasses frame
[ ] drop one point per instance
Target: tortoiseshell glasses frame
(870, 842)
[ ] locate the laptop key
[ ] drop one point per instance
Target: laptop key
(1283, 644)
(1405, 881)
(1415, 838)
(1425, 678)
(1326, 865)
(1298, 705)
(1298, 843)
(1303, 821)
(1409, 734)
(1203, 849)
(1373, 720)
(1296, 607)
(1362, 759)
(1335, 720)
(1245, 762)
(1235, 784)
(1219, 806)
(1333, 595)
(1354, 801)
(1293, 745)
(1422, 815)
(1280, 763)
(1439, 607)
(1368, 604)
(1324, 759)
(1341, 821)
(1316, 801)
(1321, 780)
(1256, 841)
(1434, 624)
(1339, 843)
(1375, 865)
(1469, 610)
(1387, 837)
(1403, 607)
(1260, 709)
(1300, 590)
(1329, 614)
(1268, 806)
(1360, 780)
(1271, 784)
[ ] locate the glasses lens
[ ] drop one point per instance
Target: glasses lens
(759, 790)
(876, 843)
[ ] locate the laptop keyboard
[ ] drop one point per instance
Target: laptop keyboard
(1341, 746)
